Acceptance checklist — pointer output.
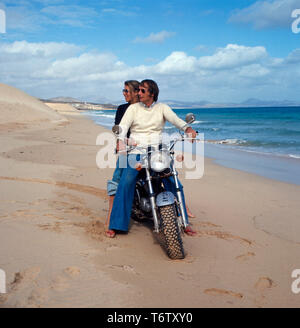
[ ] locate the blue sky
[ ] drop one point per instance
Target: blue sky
(219, 51)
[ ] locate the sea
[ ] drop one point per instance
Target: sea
(260, 140)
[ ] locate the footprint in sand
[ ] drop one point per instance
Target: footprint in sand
(245, 257)
(125, 267)
(222, 292)
(62, 282)
(225, 236)
(184, 276)
(38, 297)
(21, 288)
(262, 286)
(89, 252)
(24, 278)
(208, 224)
(112, 248)
(72, 271)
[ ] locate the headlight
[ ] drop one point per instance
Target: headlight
(159, 161)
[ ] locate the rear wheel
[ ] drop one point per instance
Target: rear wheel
(170, 232)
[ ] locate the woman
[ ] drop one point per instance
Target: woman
(131, 95)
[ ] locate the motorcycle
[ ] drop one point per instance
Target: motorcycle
(152, 201)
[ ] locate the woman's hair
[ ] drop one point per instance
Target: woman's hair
(152, 87)
(133, 85)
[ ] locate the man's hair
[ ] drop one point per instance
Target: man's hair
(152, 87)
(133, 85)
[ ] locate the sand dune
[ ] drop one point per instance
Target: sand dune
(17, 106)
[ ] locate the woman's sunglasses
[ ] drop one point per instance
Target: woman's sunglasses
(126, 91)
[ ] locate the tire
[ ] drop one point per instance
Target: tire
(170, 232)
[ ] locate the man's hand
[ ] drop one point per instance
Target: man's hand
(121, 147)
(191, 133)
(131, 142)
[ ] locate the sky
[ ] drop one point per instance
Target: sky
(219, 51)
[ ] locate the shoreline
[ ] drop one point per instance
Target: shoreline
(276, 167)
(279, 168)
(55, 254)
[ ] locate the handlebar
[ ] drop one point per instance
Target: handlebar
(145, 149)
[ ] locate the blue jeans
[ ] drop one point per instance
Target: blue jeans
(112, 185)
(121, 211)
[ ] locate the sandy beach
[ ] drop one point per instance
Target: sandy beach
(53, 208)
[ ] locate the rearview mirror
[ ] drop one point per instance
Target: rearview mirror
(116, 129)
(190, 118)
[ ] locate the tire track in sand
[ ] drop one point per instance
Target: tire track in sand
(63, 184)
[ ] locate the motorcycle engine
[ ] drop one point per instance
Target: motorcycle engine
(145, 205)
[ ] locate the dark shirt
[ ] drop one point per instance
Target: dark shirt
(119, 114)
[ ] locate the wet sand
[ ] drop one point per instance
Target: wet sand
(53, 209)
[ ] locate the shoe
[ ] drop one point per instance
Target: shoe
(110, 233)
(189, 231)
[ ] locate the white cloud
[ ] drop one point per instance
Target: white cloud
(265, 14)
(120, 12)
(232, 56)
(293, 57)
(85, 66)
(233, 73)
(177, 62)
(46, 49)
(159, 37)
(253, 71)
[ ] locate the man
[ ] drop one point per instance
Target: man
(145, 120)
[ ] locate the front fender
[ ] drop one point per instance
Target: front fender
(165, 198)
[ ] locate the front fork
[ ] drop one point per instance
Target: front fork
(179, 195)
(152, 200)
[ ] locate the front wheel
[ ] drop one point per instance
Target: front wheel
(170, 232)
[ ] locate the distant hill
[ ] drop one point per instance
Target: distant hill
(251, 102)
(78, 104)
(63, 100)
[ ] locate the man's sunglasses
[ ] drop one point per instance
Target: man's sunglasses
(142, 90)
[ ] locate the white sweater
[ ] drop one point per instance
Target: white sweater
(146, 123)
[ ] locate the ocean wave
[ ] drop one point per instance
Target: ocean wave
(228, 142)
(294, 156)
(95, 114)
(108, 115)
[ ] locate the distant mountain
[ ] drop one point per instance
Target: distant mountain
(251, 102)
(63, 99)
(186, 104)
(267, 103)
